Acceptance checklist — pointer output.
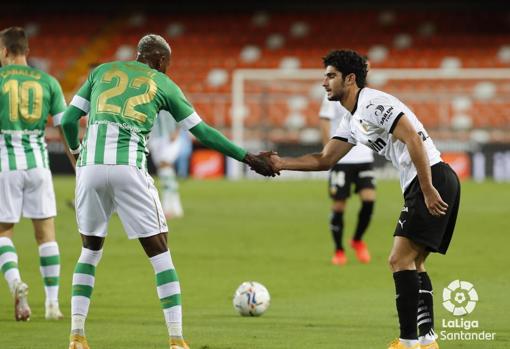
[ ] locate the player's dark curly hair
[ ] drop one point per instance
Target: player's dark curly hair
(348, 62)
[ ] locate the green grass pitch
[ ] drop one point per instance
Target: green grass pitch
(274, 232)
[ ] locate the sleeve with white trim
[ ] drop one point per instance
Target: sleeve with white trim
(58, 103)
(382, 113)
(79, 106)
(343, 131)
(70, 126)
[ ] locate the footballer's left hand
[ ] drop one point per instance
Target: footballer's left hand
(435, 204)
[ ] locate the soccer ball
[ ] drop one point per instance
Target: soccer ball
(251, 299)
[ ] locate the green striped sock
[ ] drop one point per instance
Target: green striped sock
(9, 262)
(83, 285)
(49, 258)
(169, 292)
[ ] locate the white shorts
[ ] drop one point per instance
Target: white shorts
(163, 150)
(104, 189)
(27, 192)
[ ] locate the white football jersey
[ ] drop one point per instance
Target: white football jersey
(371, 123)
(334, 112)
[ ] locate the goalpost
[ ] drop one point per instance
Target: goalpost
(448, 100)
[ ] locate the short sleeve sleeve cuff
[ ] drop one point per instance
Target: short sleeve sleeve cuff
(190, 121)
(57, 119)
(81, 103)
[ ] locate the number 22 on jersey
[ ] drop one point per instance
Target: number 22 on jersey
(128, 108)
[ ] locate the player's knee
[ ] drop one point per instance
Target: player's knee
(367, 195)
(155, 244)
(339, 206)
(44, 238)
(6, 229)
(398, 262)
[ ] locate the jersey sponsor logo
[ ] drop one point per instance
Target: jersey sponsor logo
(378, 145)
(401, 223)
(386, 115)
(118, 124)
(23, 132)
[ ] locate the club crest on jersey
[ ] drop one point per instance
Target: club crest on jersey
(379, 110)
(362, 126)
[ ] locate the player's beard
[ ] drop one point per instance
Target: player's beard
(338, 95)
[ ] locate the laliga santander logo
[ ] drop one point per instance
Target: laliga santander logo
(460, 297)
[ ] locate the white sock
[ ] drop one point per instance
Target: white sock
(49, 257)
(409, 342)
(428, 338)
(169, 292)
(83, 284)
(78, 324)
(9, 263)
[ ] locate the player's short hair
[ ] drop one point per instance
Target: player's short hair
(348, 62)
(153, 44)
(15, 40)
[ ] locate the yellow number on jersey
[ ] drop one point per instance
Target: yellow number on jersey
(128, 109)
(19, 100)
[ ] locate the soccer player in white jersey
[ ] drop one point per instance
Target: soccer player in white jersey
(123, 100)
(431, 188)
(27, 96)
(165, 145)
(356, 167)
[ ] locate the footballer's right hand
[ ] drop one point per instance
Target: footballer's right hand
(261, 164)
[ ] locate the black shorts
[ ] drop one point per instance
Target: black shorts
(415, 221)
(342, 176)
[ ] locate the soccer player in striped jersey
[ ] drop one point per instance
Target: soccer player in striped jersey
(27, 96)
(165, 144)
(122, 100)
(431, 189)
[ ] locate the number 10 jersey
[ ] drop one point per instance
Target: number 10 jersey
(27, 97)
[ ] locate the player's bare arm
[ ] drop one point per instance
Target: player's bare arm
(333, 151)
(406, 133)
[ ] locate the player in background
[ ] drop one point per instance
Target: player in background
(356, 168)
(165, 145)
(27, 97)
(123, 100)
(431, 188)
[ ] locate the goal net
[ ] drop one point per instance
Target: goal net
(274, 108)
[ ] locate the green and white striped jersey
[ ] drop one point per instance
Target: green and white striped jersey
(123, 100)
(27, 97)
